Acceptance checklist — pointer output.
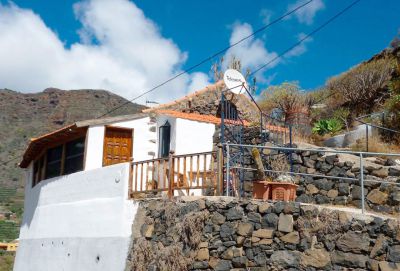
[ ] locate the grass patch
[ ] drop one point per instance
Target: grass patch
(6, 260)
(375, 145)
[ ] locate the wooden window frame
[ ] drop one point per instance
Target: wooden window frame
(43, 155)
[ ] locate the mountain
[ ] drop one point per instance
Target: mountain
(23, 116)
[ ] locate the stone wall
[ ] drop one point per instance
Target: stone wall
(227, 234)
(380, 197)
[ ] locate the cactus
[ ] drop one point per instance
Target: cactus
(260, 167)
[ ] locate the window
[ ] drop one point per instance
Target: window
(164, 139)
(63, 159)
(53, 165)
(230, 111)
(74, 152)
(38, 168)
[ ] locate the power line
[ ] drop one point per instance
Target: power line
(209, 58)
(306, 37)
(255, 71)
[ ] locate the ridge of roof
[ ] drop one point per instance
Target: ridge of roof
(33, 139)
(198, 117)
(188, 96)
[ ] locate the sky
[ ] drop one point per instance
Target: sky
(128, 47)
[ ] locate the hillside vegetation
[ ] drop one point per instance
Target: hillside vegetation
(372, 86)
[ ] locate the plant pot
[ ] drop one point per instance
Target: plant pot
(281, 191)
(261, 190)
(276, 191)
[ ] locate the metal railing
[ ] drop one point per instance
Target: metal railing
(383, 131)
(176, 174)
(229, 169)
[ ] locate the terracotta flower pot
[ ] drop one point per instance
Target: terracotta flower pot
(261, 190)
(276, 191)
(283, 191)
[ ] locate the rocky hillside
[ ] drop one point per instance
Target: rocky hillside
(23, 116)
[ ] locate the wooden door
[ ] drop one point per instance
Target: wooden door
(117, 146)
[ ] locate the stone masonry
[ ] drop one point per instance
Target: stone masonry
(380, 197)
(218, 233)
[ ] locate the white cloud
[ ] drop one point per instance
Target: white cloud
(251, 52)
(120, 50)
(307, 13)
(198, 80)
(266, 16)
(300, 49)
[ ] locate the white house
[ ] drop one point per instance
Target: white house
(81, 178)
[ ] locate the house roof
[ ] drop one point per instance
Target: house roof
(213, 87)
(36, 145)
(197, 117)
(207, 100)
(72, 131)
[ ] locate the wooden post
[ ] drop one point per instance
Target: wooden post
(220, 170)
(171, 174)
(130, 178)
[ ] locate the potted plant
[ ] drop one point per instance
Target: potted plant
(278, 185)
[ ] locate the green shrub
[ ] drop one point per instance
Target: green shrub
(327, 126)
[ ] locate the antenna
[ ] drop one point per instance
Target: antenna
(232, 79)
(151, 102)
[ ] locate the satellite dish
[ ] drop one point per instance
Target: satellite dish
(234, 80)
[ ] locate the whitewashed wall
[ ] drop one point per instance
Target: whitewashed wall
(143, 146)
(193, 136)
(94, 147)
(80, 221)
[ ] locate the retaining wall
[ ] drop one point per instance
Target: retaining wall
(380, 197)
(217, 233)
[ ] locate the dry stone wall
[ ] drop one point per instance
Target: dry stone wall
(218, 233)
(381, 185)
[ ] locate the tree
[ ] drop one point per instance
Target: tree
(395, 43)
(364, 86)
(287, 98)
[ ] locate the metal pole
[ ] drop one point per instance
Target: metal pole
(261, 128)
(290, 142)
(222, 118)
(220, 172)
(362, 184)
(227, 169)
(366, 136)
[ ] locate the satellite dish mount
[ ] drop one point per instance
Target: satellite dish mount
(234, 81)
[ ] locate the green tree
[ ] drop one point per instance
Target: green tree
(288, 98)
(364, 87)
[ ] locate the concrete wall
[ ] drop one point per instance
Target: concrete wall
(186, 137)
(94, 147)
(347, 139)
(80, 221)
(142, 147)
(193, 136)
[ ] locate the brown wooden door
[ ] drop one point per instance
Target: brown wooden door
(117, 146)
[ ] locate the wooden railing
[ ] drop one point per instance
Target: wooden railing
(188, 174)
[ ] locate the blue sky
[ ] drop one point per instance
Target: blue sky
(128, 47)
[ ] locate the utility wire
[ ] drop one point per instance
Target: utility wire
(282, 54)
(209, 58)
(319, 28)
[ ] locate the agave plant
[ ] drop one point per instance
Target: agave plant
(325, 126)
